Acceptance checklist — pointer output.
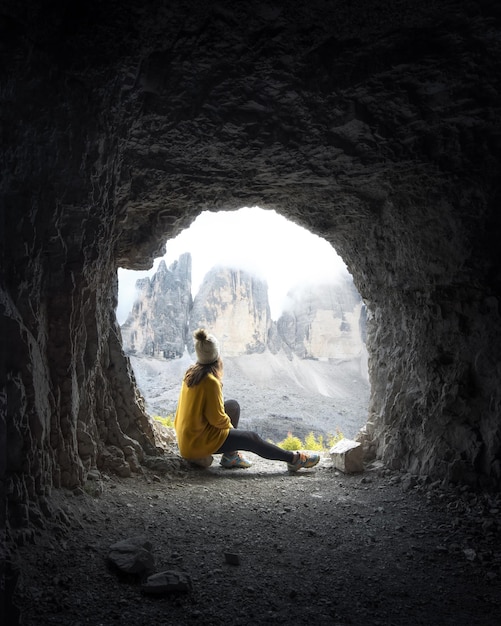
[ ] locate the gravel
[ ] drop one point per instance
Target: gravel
(316, 547)
(260, 545)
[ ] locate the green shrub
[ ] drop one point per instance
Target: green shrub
(290, 443)
(333, 439)
(311, 443)
(165, 421)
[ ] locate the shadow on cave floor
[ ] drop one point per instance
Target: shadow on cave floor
(319, 546)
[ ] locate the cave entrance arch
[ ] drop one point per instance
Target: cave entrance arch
(356, 128)
(283, 304)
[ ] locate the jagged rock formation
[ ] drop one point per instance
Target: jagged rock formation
(158, 322)
(321, 321)
(324, 321)
(375, 125)
(233, 304)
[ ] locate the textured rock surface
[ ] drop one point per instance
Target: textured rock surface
(376, 125)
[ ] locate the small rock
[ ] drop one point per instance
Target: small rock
(93, 474)
(347, 456)
(470, 554)
(94, 488)
(232, 558)
(409, 482)
(132, 556)
(169, 581)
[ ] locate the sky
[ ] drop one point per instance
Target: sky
(256, 240)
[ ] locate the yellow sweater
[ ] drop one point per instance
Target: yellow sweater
(201, 423)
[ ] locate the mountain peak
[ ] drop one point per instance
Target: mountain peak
(322, 321)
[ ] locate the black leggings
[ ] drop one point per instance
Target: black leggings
(249, 440)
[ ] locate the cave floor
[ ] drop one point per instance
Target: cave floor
(316, 547)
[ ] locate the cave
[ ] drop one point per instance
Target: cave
(374, 125)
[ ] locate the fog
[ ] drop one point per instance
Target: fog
(256, 240)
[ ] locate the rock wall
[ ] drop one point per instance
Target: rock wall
(375, 125)
(435, 417)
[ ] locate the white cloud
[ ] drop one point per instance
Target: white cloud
(259, 241)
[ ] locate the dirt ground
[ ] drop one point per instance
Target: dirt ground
(319, 547)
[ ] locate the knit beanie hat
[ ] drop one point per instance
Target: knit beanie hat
(206, 347)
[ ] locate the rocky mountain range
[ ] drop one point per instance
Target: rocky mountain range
(320, 321)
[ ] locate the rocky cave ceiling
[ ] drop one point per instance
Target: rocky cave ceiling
(373, 124)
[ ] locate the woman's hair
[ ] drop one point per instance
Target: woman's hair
(197, 372)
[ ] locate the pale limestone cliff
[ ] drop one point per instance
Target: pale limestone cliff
(234, 306)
